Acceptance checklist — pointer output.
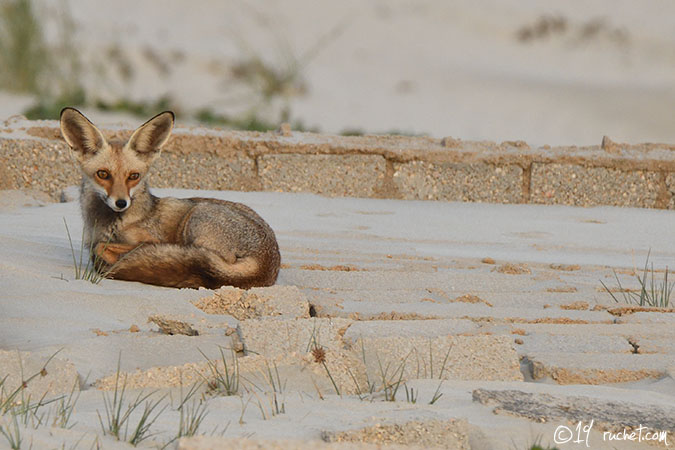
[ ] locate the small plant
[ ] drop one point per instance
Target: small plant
(12, 433)
(225, 382)
(410, 394)
(391, 383)
(651, 293)
(19, 407)
(276, 403)
(89, 271)
(437, 395)
(191, 414)
(117, 422)
(142, 429)
(23, 50)
(9, 400)
(65, 407)
(319, 355)
(537, 445)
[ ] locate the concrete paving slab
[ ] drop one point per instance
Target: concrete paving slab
(272, 337)
(448, 357)
(539, 343)
(598, 368)
(285, 301)
(408, 328)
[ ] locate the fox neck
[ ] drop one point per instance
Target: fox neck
(101, 222)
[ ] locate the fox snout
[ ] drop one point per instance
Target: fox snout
(114, 189)
(118, 205)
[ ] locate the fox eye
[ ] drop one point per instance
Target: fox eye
(134, 176)
(102, 174)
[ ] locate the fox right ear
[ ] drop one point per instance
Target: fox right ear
(80, 133)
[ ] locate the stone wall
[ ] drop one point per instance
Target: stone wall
(33, 156)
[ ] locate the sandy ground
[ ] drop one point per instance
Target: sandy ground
(548, 73)
(508, 295)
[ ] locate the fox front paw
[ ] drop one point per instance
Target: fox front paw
(111, 253)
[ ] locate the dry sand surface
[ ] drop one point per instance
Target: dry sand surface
(403, 323)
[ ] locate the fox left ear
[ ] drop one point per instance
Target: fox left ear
(149, 138)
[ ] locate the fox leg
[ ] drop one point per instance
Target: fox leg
(111, 253)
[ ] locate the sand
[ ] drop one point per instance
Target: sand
(422, 315)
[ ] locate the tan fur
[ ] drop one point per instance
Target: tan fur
(164, 241)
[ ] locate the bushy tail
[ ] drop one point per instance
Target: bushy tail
(188, 267)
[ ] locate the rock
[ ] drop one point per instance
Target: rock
(548, 408)
(173, 326)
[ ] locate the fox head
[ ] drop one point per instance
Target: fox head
(115, 169)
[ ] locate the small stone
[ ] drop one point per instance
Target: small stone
(513, 269)
(610, 146)
(285, 130)
(488, 260)
(450, 142)
(172, 326)
(134, 328)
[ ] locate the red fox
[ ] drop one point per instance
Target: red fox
(136, 236)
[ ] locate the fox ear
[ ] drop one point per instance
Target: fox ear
(149, 138)
(80, 133)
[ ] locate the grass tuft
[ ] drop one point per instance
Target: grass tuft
(88, 271)
(117, 417)
(652, 292)
(226, 381)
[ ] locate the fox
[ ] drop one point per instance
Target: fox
(174, 242)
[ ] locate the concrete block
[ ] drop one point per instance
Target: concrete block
(408, 328)
(477, 182)
(466, 357)
(446, 434)
(285, 301)
(571, 184)
(217, 443)
(598, 368)
(305, 372)
(648, 317)
(670, 183)
(534, 343)
(654, 344)
(272, 337)
(39, 165)
(202, 170)
(332, 175)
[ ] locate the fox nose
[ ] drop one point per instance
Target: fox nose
(121, 203)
